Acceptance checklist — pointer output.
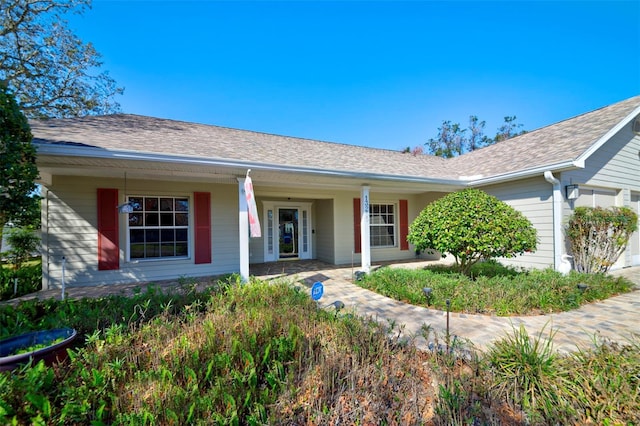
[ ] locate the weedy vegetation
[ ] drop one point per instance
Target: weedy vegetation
(264, 353)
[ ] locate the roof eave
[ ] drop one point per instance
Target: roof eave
(88, 152)
(527, 173)
(604, 138)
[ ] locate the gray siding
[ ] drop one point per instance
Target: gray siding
(324, 235)
(71, 222)
(532, 197)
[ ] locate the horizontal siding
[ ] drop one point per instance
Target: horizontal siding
(616, 165)
(534, 198)
(324, 226)
(71, 222)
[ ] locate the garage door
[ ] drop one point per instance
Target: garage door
(635, 238)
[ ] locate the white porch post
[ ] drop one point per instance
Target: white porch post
(365, 244)
(243, 231)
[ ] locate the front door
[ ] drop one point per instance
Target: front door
(288, 231)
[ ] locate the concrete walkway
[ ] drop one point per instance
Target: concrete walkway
(617, 318)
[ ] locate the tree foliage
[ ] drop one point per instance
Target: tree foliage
(454, 140)
(18, 172)
(49, 69)
(598, 236)
(24, 244)
(472, 225)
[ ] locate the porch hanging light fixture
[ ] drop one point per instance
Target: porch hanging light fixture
(127, 206)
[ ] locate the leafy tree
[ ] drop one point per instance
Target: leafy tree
(472, 225)
(598, 236)
(450, 141)
(508, 129)
(453, 140)
(18, 171)
(24, 243)
(49, 69)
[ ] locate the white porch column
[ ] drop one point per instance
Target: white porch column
(243, 231)
(365, 230)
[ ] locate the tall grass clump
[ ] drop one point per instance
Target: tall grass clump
(526, 374)
(606, 380)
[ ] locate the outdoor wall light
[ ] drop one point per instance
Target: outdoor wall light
(572, 191)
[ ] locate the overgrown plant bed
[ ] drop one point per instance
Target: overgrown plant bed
(266, 354)
(494, 288)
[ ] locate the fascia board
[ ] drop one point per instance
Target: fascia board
(75, 151)
(538, 171)
(615, 129)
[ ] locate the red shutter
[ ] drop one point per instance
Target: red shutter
(108, 246)
(404, 225)
(357, 242)
(202, 220)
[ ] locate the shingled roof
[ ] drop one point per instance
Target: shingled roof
(549, 146)
(135, 133)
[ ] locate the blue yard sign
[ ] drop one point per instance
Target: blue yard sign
(317, 290)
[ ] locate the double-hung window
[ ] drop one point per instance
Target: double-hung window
(159, 227)
(382, 222)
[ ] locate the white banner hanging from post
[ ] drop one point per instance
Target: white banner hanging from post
(254, 220)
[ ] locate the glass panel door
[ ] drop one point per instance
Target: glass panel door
(288, 240)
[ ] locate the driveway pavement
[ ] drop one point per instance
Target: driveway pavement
(617, 318)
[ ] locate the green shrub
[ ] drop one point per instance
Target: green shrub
(472, 225)
(598, 236)
(29, 280)
(24, 243)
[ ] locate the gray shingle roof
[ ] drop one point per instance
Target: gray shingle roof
(554, 144)
(558, 143)
(154, 135)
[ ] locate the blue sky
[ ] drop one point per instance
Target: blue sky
(380, 74)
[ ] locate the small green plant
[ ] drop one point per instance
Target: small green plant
(472, 225)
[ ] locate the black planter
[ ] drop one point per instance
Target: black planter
(51, 354)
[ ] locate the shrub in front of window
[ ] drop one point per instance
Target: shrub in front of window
(598, 236)
(472, 225)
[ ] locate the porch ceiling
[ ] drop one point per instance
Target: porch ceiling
(51, 165)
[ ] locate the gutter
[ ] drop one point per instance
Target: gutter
(74, 151)
(570, 164)
(557, 219)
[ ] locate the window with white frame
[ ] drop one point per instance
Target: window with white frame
(159, 227)
(382, 225)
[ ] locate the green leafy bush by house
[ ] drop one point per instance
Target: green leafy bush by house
(472, 225)
(598, 236)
